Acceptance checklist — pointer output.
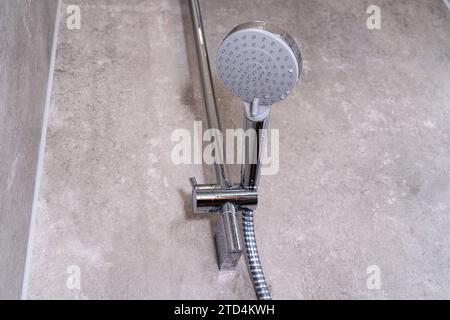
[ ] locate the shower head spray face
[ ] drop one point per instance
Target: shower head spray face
(259, 63)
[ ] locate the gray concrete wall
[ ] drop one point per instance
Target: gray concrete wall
(26, 33)
(364, 155)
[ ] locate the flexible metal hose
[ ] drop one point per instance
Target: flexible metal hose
(253, 261)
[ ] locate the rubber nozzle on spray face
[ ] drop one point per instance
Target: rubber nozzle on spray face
(260, 64)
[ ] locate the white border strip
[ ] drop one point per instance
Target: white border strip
(40, 163)
(447, 3)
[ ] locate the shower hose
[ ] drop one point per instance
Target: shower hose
(253, 261)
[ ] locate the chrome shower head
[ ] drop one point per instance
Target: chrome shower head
(259, 62)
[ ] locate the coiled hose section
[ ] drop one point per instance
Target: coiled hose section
(253, 261)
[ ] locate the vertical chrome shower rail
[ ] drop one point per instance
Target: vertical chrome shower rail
(228, 241)
(209, 97)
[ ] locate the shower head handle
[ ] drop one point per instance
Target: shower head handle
(254, 111)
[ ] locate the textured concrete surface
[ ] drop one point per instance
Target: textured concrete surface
(365, 156)
(26, 33)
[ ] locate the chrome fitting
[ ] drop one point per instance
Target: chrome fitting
(210, 198)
